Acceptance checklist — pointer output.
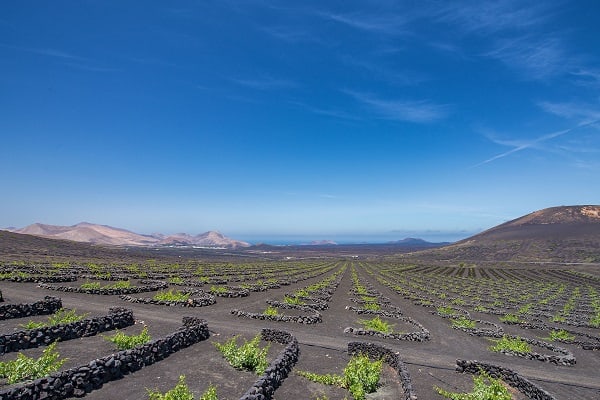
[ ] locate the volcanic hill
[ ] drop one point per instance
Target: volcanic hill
(556, 234)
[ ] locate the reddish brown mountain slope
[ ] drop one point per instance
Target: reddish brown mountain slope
(108, 235)
(561, 234)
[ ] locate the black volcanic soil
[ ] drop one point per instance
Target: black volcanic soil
(323, 348)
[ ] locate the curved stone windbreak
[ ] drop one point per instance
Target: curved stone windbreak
(377, 352)
(383, 313)
(495, 330)
(231, 292)
(420, 336)
(411, 336)
(564, 356)
(151, 287)
(43, 278)
(278, 370)
(26, 339)
(78, 381)
(49, 305)
(191, 302)
(303, 307)
(509, 376)
(301, 319)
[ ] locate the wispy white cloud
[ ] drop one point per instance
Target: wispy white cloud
(587, 77)
(524, 144)
(535, 58)
(492, 17)
(64, 58)
(388, 23)
(517, 33)
(421, 111)
(394, 76)
(56, 53)
(329, 112)
(582, 112)
(294, 35)
(266, 83)
(46, 52)
(87, 67)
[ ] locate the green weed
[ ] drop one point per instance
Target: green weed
(26, 368)
(62, 316)
(124, 341)
(561, 334)
(484, 388)
(361, 376)
(271, 311)
(511, 318)
(511, 344)
(171, 295)
(463, 322)
(179, 392)
(377, 324)
(248, 356)
(293, 300)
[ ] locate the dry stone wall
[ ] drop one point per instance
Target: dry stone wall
(43, 307)
(265, 386)
(25, 339)
(78, 381)
(509, 376)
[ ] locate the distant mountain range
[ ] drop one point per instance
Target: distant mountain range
(108, 235)
(557, 234)
(415, 242)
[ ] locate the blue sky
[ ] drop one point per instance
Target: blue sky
(269, 120)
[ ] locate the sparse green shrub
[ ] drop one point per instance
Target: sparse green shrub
(210, 393)
(26, 368)
(361, 376)
(218, 289)
(177, 280)
(371, 306)
(484, 388)
(125, 342)
(179, 392)
(325, 379)
(511, 318)
(293, 300)
(377, 324)
(511, 344)
(119, 285)
(561, 334)
(463, 322)
(558, 318)
(90, 285)
(271, 311)
(62, 316)
(458, 301)
(171, 295)
(248, 356)
(15, 274)
(446, 310)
